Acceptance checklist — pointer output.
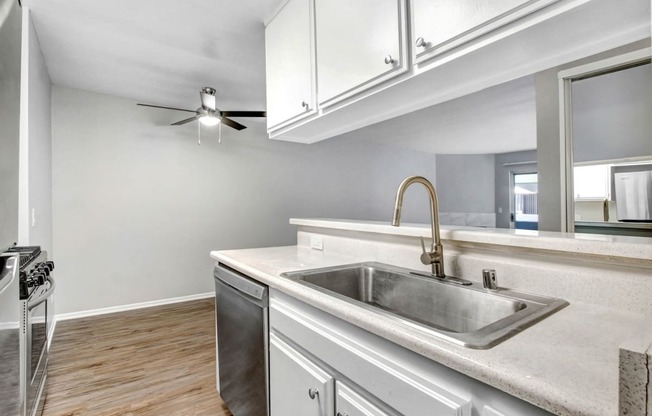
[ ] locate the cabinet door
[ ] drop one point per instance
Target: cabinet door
(439, 25)
(490, 411)
(350, 403)
(359, 44)
(298, 387)
(290, 63)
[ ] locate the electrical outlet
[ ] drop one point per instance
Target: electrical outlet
(316, 242)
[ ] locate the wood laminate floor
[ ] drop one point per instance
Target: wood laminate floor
(154, 361)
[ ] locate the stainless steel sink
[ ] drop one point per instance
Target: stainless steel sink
(464, 314)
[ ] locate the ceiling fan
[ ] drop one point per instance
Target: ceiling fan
(209, 115)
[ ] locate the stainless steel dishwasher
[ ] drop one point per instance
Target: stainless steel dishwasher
(241, 312)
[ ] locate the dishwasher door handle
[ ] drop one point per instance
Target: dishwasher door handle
(243, 286)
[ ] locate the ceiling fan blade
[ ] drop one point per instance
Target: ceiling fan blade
(167, 108)
(233, 124)
(208, 98)
(244, 113)
(188, 120)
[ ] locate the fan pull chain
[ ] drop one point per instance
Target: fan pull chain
(198, 133)
(219, 134)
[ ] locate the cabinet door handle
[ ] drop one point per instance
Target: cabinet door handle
(342, 414)
(421, 42)
(389, 60)
(305, 105)
(312, 393)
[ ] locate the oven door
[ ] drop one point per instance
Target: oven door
(37, 346)
(10, 396)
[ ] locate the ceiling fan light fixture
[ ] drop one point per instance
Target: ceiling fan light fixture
(209, 120)
(209, 115)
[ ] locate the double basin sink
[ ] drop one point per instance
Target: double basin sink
(453, 309)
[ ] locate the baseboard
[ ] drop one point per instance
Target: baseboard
(9, 325)
(130, 307)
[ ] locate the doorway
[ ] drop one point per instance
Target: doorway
(524, 191)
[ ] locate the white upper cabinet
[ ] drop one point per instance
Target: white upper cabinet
(440, 25)
(289, 41)
(334, 66)
(359, 44)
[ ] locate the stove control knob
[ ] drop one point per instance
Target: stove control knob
(35, 279)
(40, 278)
(50, 265)
(44, 269)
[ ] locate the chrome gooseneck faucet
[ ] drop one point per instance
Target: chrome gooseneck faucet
(435, 257)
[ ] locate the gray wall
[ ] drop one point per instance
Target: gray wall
(39, 148)
(548, 140)
(10, 32)
(138, 205)
(612, 115)
(465, 183)
(502, 178)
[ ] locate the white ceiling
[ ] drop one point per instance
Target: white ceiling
(157, 51)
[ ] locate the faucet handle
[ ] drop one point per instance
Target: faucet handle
(426, 256)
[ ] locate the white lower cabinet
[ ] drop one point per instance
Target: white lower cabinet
(306, 354)
(298, 387)
(350, 403)
(490, 411)
(321, 365)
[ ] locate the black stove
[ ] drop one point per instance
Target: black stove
(34, 268)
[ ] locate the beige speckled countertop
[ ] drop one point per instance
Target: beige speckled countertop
(566, 364)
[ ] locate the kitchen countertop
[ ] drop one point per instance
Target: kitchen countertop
(567, 364)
